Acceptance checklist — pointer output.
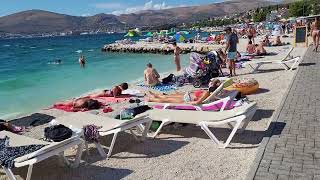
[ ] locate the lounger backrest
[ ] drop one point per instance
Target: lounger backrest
(226, 83)
(288, 54)
(20, 140)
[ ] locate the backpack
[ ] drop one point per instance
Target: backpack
(57, 133)
(168, 79)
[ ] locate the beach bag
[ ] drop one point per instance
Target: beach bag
(168, 79)
(91, 133)
(57, 133)
(132, 112)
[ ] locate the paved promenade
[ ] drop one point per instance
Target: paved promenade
(293, 149)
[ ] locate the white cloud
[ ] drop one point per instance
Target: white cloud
(147, 6)
(108, 5)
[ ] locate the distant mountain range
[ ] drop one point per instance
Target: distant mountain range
(38, 21)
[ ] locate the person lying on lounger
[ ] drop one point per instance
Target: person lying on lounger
(81, 103)
(116, 91)
(195, 97)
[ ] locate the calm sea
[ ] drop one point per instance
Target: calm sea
(29, 82)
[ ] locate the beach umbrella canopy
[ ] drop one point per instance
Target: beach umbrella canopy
(179, 38)
(131, 33)
(149, 34)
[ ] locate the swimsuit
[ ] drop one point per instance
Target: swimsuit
(187, 97)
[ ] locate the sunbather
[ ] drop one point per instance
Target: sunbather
(260, 50)
(81, 103)
(251, 49)
(116, 91)
(195, 97)
(151, 76)
(277, 42)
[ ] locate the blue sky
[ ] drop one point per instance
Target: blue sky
(91, 7)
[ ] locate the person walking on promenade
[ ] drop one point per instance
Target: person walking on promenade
(315, 32)
(231, 49)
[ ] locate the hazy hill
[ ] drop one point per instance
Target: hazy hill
(38, 21)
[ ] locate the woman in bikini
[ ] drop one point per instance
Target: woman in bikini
(194, 97)
(315, 32)
(116, 91)
(81, 103)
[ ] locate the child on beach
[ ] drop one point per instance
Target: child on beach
(231, 49)
(194, 97)
(151, 76)
(251, 49)
(116, 91)
(176, 53)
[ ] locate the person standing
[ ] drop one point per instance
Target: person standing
(251, 33)
(176, 54)
(231, 49)
(82, 61)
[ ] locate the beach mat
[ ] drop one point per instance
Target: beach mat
(160, 87)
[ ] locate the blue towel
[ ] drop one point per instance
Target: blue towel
(159, 87)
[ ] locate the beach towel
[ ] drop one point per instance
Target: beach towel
(106, 100)
(67, 108)
(160, 87)
(205, 107)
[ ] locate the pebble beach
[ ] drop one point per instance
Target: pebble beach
(179, 152)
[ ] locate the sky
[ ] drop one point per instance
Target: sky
(92, 7)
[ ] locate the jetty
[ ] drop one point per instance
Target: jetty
(159, 48)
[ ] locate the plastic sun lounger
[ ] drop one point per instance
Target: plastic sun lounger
(51, 149)
(287, 59)
(205, 119)
(109, 126)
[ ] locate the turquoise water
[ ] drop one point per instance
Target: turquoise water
(28, 82)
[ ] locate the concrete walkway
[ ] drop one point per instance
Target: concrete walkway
(293, 149)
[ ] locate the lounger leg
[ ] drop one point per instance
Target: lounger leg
(29, 172)
(65, 160)
(209, 133)
(285, 66)
(100, 150)
(164, 122)
(234, 130)
(134, 135)
(246, 122)
(9, 173)
(295, 64)
(112, 144)
(145, 131)
(87, 148)
(79, 154)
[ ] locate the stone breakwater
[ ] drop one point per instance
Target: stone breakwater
(158, 48)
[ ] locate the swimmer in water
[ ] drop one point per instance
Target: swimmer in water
(82, 61)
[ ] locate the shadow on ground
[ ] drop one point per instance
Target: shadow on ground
(53, 169)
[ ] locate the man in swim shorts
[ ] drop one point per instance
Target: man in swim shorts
(231, 49)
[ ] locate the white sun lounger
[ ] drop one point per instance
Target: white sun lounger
(204, 119)
(256, 64)
(109, 126)
(51, 149)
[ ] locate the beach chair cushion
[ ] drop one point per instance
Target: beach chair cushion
(195, 117)
(204, 107)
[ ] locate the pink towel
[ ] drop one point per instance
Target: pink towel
(113, 99)
(209, 107)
